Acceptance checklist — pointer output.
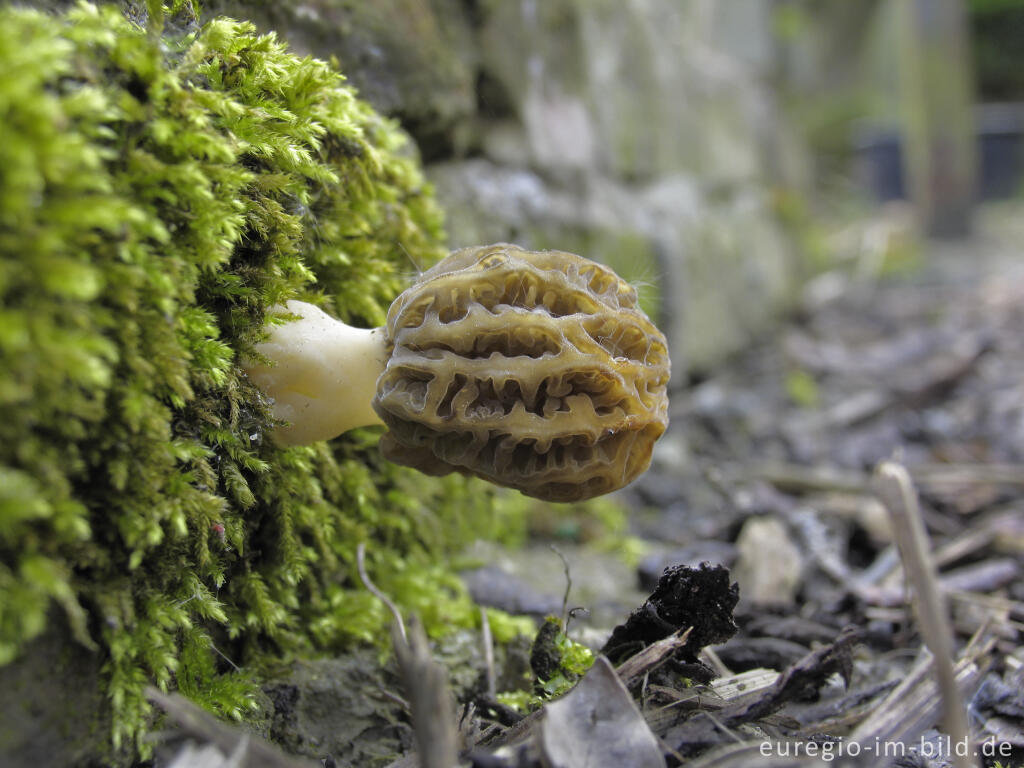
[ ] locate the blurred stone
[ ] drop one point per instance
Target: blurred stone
(54, 710)
(743, 653)
(873, 517)
(691, 103)
(769, 564)
(335, 706)
(495, 588)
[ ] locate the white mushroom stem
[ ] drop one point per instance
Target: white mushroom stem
(324, 375)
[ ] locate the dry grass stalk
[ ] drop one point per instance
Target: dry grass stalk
(896, 490)
(431, 702)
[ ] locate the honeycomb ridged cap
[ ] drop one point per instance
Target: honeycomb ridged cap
(534, 370)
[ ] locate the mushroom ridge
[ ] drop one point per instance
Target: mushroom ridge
(531, 369)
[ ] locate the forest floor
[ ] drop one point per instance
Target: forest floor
(809, 467)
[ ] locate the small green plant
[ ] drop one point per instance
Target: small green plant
(566, 659)
(557, 661)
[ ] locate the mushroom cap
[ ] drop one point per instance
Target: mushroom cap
(534, 370)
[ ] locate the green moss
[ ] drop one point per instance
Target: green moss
(557, 662)
(158, 192)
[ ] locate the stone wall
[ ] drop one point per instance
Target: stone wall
(643, 133)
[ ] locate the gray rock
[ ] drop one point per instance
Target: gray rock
(336, 707)
(769, 564)
(54, 709)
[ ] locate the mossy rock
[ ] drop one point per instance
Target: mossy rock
(411, 59)
(162, 184)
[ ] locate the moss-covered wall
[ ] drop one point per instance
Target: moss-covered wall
(162, 183)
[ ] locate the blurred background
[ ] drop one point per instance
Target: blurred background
(716, 154)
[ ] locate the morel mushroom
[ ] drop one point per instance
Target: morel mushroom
(534, 370)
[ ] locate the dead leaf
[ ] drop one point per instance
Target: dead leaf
(597, 725)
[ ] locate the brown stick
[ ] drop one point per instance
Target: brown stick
(426, 687)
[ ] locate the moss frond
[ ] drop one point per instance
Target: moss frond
(160, 189)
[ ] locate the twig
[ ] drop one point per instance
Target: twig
(433, 715)
(985, 577)
(801, 479)
(373, 590)
(651, 657)
(721, 670)
(896, 490)
(221, 653)
(742, 755)
(416, 266)
(940, 474)
(798, 478)
(488, 641)
(394, 697)
(630, 672)
(724, 728)
(568, 586)
(915, 704)
(799, 680)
